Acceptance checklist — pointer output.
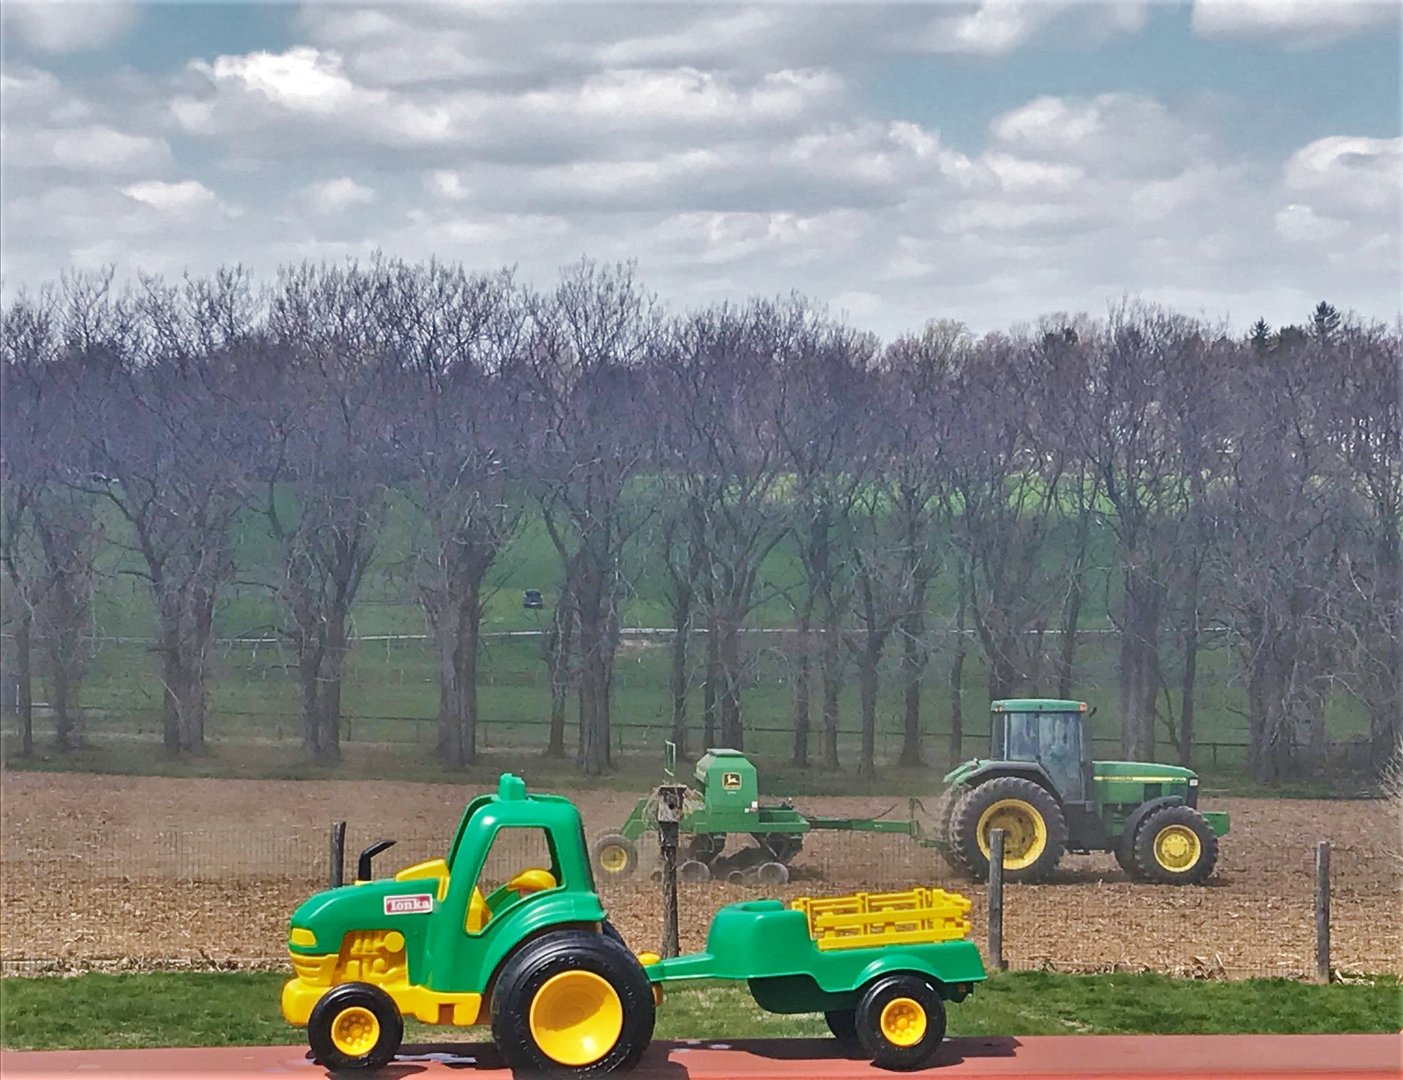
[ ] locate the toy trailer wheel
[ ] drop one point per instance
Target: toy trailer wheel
(1176, 846)
(900, 1021)
(355, 1026)
(1034, 827)
(615, 856)
(572, 1003)
(843, 1024)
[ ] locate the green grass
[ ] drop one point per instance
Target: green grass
(240, 1009)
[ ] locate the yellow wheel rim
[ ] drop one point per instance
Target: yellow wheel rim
(613, 858)
(903, 1022)
(576, 1018)
(355, 1031)
(1025, 832)
(1177, 848)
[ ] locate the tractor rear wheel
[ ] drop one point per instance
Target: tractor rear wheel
(615, 856)
(900, 1021)
(1176, 846)
(572, 1003)
(355, 1026)
(1035, 830)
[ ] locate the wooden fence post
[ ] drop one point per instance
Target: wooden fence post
(1322, 911)
(337, 872)
(996, 900)
(670, 798)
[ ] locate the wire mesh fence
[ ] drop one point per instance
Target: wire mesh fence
(219, 895)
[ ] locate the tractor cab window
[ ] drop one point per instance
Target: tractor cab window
(1061, 752)
(1021, 742)
(520, 863)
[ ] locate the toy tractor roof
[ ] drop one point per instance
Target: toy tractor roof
(1037, 705)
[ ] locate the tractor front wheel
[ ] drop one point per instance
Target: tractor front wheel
(900, 1021)
(355, 1026)
(1035, 830)
(1176, 846)
(572, 1003)
(615, 856)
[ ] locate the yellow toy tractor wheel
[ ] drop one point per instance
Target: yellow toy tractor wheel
(1176, 846)
(572, 1003)
(355, 1026)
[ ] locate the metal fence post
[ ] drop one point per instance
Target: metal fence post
(670, 798)
(996, 900)
(1322, 911)
(337, 874)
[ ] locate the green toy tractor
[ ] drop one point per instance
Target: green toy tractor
(1040, 786)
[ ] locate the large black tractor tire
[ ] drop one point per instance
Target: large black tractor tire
(900, 1021)
(572, 1003)
(1124, 851)
(944, 816)
(615, 856)
(355, 1026)
(1176, 846)
(1035, 830)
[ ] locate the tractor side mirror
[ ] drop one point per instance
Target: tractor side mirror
(363, 872)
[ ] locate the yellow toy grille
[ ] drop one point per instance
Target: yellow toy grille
(917, 916)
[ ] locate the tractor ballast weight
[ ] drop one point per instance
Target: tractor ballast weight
(1041, 786)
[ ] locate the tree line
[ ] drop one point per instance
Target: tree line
(1251, 484)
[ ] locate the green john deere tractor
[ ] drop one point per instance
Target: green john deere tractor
(1040, 786)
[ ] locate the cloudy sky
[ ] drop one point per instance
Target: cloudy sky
(987, 161)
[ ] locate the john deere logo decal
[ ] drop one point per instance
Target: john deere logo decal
(730, 781)
(409, 905)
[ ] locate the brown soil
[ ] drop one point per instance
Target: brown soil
(100, 871)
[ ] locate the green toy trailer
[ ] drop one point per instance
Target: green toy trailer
(729, 792)
(1042, 788)
(536, 958)
(879, 966)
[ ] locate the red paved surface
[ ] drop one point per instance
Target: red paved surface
(1105, 1057)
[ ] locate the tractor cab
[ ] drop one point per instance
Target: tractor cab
(1048, 733)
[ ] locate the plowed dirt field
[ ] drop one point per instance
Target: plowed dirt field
(103, 872)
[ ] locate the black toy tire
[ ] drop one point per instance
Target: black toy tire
(1037, 799)
(1183, 818)
(335, 1002)
(561, 951)
(883, 992)
(843, 1024)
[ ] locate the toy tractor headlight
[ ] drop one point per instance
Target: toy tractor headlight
(302, 937)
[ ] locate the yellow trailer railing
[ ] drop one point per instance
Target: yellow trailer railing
(916, 916)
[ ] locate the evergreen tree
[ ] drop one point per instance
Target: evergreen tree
(1261, 335)
(1326, 321)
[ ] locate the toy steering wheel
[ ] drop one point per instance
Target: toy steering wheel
(531, 881)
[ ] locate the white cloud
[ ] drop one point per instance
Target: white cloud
(173, 198)
(1349, 173)
(1293, 23)
(1126, 134)
(998, 27)
(89, 148)
(69, 26)
(337, 196)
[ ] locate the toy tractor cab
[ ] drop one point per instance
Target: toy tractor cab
(506, 929)
(1042, 788)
